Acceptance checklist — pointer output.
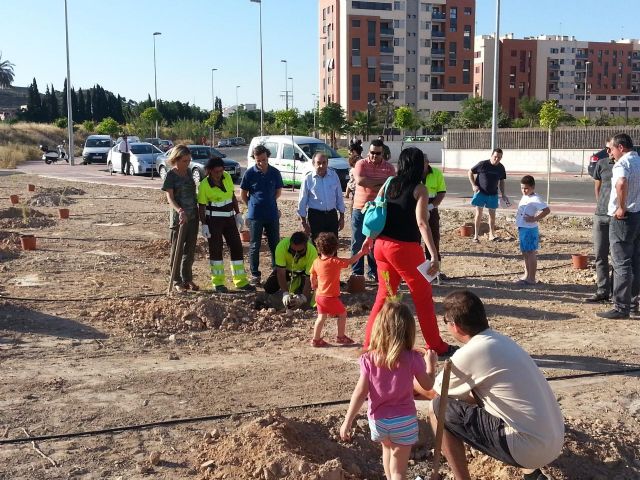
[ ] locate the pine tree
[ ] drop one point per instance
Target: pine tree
(82, 107)
(34, 103)
(52, 105)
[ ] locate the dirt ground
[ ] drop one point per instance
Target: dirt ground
(89, 341)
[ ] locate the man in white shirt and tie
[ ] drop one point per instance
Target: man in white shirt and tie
(125, 156)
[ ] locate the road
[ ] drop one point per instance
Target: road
(569, 194)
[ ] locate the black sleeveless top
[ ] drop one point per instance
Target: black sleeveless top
(401, 221)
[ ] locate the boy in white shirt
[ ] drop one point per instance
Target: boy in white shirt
(531, 210)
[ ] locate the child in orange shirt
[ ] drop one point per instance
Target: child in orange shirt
(325, 280)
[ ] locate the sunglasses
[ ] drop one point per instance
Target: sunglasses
(375, 154)
(444, 318)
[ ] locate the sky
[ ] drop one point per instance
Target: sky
(111, 43)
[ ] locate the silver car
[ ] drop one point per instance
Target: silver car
(200, 154)
(143, 158)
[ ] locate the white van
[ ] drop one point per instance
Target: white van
(96, 148)
(295, 161)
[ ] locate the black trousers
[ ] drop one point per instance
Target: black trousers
(125, 162)
(322, 221)
(434, 225)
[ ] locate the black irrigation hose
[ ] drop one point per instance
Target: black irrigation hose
(84, 299)
(179, 421)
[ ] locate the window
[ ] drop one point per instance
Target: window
(453, 12)
(355, 23)
(452, 62)
(398, 24)
(425, 7)
(371, 74)
(452, 49)
(467, 10)
(398, 77)
(466, 72)
(467, 38)
(371, 34)
(398, 5)
(397, 60)
(355, 46)
(398, 42)
(424, 78)
(355, 87)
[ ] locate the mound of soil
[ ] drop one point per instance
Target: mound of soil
(63, 190)
(155, 247)
(175, 314)
(13, 217)
(9, 245)
(46, 199)
(275, 447)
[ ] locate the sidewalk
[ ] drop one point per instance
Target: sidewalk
(99, 174)
(460, 172)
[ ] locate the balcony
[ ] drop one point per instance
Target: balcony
(581, 56)
(437, 86)
(386, 86)
(437, 52)
(386, 32)
(554, 66)
(386, 49)
(437, 34)
(437, 69)
(438, 16)
(635, 68)
(554, 78)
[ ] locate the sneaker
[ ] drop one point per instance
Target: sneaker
(613, 314)
(255, 280)
(180, 287)
(220, 289)
(372, 278)
(597, 298)
(248, 288)
(451, 349)
(535, 475)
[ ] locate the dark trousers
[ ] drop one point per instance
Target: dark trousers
(224, 227)
(185, 274)
(256, 227)
(357, 239)
(322, 221)
(271, 285)
(601, 251)
(624, 238)
(434, 225)
(125, 163)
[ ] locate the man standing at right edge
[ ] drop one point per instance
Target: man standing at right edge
(624, 230)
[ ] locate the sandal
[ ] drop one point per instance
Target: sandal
(319, 343)
(344, 340)
(192, 286)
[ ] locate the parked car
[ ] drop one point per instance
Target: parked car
(237, 141)
(96, 148)
(199, 156)
(600, 154)
(162, 144)
(130, 138)
(294, 161)
(224, 142)
(143, 158)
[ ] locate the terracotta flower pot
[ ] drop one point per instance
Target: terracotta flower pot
(28, 242)
(245, 236)
(15, 199)
(355, 284)
(31, 187)
(63, 212)
(579, 261)
(466, 230)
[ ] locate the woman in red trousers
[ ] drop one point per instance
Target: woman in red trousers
(398, 252)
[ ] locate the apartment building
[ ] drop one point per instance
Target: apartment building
(591, 78)
(409, 52)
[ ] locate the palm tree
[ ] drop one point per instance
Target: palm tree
(6, 72)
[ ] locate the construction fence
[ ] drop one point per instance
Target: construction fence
(592, 138)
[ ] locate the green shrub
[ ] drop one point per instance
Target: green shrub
(89, 126)
(61, 122)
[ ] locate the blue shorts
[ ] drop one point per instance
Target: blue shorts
(529, 239)
(398, 430)
(483, 200)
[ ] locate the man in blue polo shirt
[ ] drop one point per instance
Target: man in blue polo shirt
(261, 187)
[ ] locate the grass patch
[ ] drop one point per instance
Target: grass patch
(13, 154)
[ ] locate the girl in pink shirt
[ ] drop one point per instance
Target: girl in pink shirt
(387, 371)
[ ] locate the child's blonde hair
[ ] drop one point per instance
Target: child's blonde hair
(394, 331)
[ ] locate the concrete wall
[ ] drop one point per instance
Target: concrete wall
(531, 161)
(432, 149)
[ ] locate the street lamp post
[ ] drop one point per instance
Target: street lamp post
(261, 77)
(496, 59)
(213, 109)
(237, 113)
(315, 101)
(286, 90)
(155, 76)
(70, 153)
(291, 78)
(584, 100)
